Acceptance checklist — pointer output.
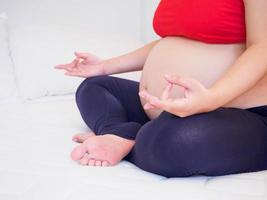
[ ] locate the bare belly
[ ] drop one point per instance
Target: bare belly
(204, 62)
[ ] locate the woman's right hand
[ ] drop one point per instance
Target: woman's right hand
(84, 65)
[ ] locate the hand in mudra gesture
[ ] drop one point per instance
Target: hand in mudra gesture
(84, 65)
(197, 98)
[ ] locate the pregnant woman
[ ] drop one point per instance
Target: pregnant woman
(201, 105)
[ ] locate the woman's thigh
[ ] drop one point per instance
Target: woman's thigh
(224, 141)
(124, 91)
(111, 105)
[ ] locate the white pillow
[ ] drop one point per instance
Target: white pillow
(36, 49)
(7, 82)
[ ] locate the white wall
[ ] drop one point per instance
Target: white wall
(133, 17)
(147, 9)
(111, 16)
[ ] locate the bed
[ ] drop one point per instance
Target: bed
(38, 115)
(35, 143)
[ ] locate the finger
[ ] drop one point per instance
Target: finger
(179, 107)
(144, 94)
(75, 62)
(68, 66)
(72, 73)
(170, 105)
(177, 80)
(166, 92)
(154, 101)
(70, 69)
(161, 104)
(185, 82)
(185, 92)
(83, 62)
(63, 66)
(148, 106)
(81, 55)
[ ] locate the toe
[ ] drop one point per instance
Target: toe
(105, 163)
(98, 163)
(75, 139)
(84, 160)
(78, 152)
(81, 137)
(91, 162)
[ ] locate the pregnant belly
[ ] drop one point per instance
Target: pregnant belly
(176, 55)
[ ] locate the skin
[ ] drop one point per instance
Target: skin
(179, 66)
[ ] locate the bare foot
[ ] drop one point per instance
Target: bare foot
(102, 150)
(81, 137)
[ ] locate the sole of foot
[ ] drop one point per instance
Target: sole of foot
(102, 150)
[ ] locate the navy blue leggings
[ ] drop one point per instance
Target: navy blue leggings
(220, 142)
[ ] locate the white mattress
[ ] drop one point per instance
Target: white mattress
(35, 143)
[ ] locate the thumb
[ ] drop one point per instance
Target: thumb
(81, 55)
(185, 82)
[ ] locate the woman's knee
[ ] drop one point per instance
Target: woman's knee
(170, 147)
(89, 94)
(173, 134)
(96, 80)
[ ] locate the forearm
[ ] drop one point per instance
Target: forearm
(133, 61)
(250, 67)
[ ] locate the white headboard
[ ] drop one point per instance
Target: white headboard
(110, 16)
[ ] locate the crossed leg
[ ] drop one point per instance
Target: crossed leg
(220, 142)
(111, 108)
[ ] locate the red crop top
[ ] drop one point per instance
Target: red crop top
(211, 21)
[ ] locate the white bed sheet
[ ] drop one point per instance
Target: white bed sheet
(35, 142)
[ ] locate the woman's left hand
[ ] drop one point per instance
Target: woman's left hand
(197, 98)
